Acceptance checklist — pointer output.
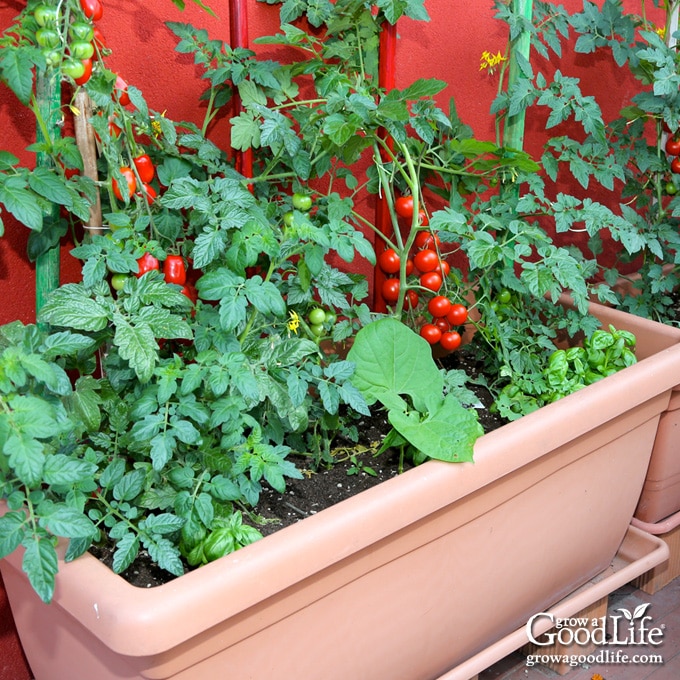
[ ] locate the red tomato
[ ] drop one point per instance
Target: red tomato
(431, 281)
(409, 267)
(92, 9)
(457, 315)
(442, 324)
(431, 333)
(190, 292)
(404, 206)
(389, 261)
(411, 299)
(147, 263)
(426, 260)
(129, 178)
(390, 290)
(675, 165)
(427, 239)
(673, 146)
(423, 219)
(444, 268)
(439, 306)
(149, 193)
(99, 39)
(174, 269)
(145, 168)
(87, 65)
(450, 340)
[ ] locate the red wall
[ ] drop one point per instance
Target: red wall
(448, 48)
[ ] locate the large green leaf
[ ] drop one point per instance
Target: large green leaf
(391, 358)
(447, 433)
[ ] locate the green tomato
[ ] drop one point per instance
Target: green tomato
(52, 57)
(317, 329)
(47, 37)
(45, 15)
(317, 317)
(80, 49)
(73, 68)
(288, 218)
(504, 296)
(81, 30)
(118, 281)
(671, 189)
(331, 318)
(302, 202)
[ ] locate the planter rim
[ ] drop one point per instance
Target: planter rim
(254, 573)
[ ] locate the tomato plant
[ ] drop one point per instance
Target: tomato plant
(404, 206)
(130, 182)
(174, 270)
(389, 261)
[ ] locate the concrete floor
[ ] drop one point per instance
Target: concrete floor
(664, 610)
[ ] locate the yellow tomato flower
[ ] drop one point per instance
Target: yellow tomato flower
(490, 61)
(294, 322)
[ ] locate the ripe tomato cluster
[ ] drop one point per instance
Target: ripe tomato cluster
(446, 318)
(144, 170)
(672, 147)
(426, 272)
(174, 271)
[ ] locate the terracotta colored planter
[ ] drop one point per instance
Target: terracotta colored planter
(407, 580)
(660, 497)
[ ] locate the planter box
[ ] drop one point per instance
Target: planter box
(660, 496)
(406, 580)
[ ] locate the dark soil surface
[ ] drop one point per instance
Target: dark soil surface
(328, 486)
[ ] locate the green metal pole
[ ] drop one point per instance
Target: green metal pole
(514, 128)
(48, 97)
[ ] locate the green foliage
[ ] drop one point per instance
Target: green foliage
(568, 370)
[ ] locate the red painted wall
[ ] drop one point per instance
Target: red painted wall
(448, 48)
